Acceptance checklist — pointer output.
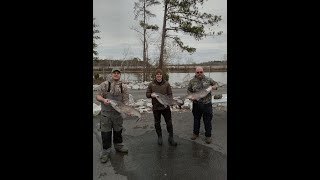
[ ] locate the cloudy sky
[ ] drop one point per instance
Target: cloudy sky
(115, 19)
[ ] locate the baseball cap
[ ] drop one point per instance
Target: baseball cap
(115, 69)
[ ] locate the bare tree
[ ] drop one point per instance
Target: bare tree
(141, 10)
(170, 52)
(125, 54)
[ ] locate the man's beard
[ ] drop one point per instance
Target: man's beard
(200, 76)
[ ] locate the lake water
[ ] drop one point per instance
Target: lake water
(220, 77)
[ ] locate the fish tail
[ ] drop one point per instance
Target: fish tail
(138, 119)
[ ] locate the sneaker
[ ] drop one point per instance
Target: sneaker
(160, 140)
(208, 140)
(171, 141)
(105, 155)
(194, 136)
(120, 147)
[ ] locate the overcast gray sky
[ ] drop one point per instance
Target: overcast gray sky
(115, 18)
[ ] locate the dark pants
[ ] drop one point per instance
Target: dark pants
(106, 138)
(166, 113)
(204, 110)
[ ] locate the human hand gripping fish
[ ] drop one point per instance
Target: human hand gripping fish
(167, 101)
(200, 94)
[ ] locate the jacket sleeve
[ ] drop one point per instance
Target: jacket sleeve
(149, 91)
(125, 95)
(189, 90)
(169, 90)
(102, 89)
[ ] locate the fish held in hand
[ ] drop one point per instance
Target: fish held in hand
(125, 110)
(166, 100)
(200, 94)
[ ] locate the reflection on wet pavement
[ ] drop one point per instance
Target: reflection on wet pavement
(148, 160)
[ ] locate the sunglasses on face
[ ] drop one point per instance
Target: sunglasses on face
(199, 72)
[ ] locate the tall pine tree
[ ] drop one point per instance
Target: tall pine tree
(95, 37)
(184, 16)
